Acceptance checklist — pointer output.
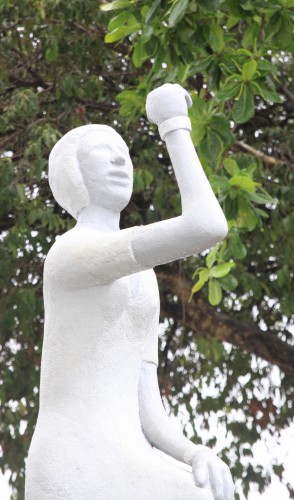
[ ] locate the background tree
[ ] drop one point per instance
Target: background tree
(225, 347)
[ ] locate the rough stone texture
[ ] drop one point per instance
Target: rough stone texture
(100, 408)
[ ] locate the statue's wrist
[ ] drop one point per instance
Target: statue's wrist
(174, 123)
(193, 450)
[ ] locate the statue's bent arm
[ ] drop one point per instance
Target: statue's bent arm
(202, 223)
(208, 470)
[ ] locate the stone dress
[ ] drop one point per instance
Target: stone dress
(100, 324)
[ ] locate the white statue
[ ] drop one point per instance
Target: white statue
(100, 409)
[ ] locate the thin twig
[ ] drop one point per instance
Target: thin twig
(259, 154)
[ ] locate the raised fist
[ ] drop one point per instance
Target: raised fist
(167, 101)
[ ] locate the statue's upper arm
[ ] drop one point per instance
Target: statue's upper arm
(86, 258)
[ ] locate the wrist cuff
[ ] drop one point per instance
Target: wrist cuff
(174, 123)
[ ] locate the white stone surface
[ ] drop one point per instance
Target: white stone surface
(100, 408)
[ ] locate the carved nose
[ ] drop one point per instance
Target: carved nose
(118, 160)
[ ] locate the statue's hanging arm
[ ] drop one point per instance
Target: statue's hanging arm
(201, 225)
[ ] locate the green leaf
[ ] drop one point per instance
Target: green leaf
(266, 67)
(209, 4)
(249, 70)
(198, 109)
(204, 274)
(120, 33)
(147, 33)
(211, 257)
(288, 4)
(229, 282)
(20, 188)
(218, 182)
(284, 37)
(159, 59)
(243, 109)
(211, 148)
(273, 25)
(151, 46)
(221, 270)
(250, 36)
(52, 52)
(261, 198)
(231, 166)
(152, 11)
(139, 54)
(243, 182)
(117, 4)
(200, 283)
(202, 64)
(244, 52)
(266, 94)
(271, 96)
(246, 218)
(221, 125)
(214, 292)
(177, 12)
(197, 272)
(237, 248)
(131, 101)
(142, 179)
(261, 213)
(216, 38)
(232, 21)
(228, 92)
(198, 131)
(217, 350)
(118, 21)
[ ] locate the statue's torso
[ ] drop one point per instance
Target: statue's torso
(88, 442)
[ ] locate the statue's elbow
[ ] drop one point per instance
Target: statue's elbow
(205, 232)
(221, 229)
(214, 231)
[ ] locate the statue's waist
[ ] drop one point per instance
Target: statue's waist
(93, 431)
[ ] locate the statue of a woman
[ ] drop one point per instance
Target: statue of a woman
(100, 409)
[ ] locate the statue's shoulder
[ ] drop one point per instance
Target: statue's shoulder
(74, 242)
(88, 257)
(78, 236)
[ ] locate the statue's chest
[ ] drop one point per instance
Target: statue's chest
(141, 298)
(133, 299)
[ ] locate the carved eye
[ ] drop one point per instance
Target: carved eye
(119, 160)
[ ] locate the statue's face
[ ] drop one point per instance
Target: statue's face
(107, 169)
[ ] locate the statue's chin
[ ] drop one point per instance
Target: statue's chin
(114, 204)
(116, 198)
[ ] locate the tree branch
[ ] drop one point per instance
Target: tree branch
(287, 92)
(259, 154)
(206, 321)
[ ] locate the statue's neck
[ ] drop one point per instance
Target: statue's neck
(99, 218)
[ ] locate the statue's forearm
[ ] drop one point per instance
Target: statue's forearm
(158, 428)
(193, 184)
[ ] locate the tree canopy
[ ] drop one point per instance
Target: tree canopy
(225, 348)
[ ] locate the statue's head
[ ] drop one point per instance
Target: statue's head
(91, 165)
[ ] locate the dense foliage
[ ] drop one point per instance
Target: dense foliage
(226, 347)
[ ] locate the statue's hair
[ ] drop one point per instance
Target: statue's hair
(65, 177)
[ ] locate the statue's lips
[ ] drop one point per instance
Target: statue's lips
(119, 177)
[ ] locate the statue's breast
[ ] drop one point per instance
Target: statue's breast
(143, 295)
